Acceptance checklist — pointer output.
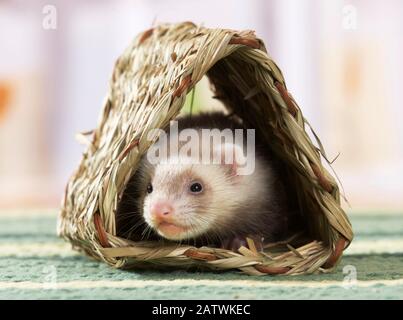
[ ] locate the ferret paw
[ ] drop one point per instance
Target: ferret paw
(236, 242)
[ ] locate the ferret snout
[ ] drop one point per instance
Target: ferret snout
(163, 220)
(161, 211)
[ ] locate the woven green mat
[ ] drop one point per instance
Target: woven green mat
(35, 264)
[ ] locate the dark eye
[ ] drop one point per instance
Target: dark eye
(149, 188)
(196, 187)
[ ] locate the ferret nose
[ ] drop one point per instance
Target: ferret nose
(161, 210)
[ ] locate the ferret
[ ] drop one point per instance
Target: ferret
(207, 203)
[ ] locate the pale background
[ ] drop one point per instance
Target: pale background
(342, 61)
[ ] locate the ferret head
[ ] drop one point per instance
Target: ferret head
(187, 201)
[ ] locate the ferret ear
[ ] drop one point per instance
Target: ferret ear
(229, 155)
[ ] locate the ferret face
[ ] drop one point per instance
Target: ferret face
(186, 201)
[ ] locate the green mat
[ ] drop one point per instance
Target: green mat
(35, 264)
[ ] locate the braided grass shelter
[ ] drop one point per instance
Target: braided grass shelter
(147, 89)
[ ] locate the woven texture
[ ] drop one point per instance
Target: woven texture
(35, 264)
(148, 89)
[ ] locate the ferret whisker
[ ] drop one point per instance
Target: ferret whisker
(145, 234)
(131, 232)
(137, 224)
(255, 204)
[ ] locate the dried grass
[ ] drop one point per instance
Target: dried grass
(148, 89)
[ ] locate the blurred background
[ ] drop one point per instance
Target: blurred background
(342, 61)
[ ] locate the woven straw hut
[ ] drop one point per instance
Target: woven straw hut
(147, 89)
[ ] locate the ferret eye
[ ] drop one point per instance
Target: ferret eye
(149, 188)
(196, 187)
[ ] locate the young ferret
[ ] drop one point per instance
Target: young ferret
(207, 203)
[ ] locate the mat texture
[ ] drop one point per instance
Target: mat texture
(35, 264)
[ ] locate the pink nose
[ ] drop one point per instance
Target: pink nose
(161, 210)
